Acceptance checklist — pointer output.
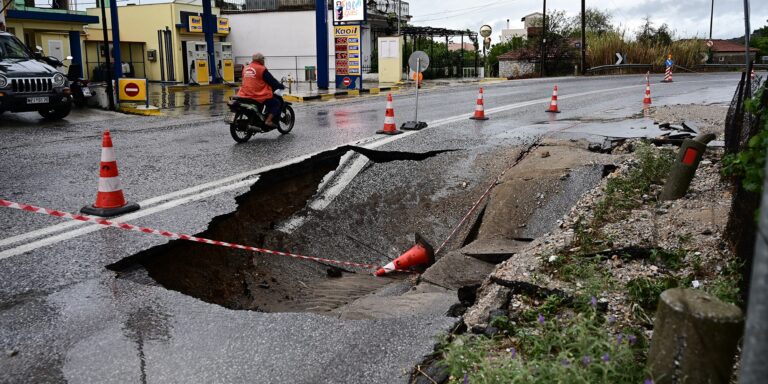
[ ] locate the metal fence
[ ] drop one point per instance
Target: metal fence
(293, 67)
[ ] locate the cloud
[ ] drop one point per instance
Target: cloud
(688, 18)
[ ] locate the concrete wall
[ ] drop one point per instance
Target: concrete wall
(287, 39)
(513, 68)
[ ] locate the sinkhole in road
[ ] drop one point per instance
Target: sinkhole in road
(244, 280)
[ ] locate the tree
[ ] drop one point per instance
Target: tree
(648, 35)
(596, 21)
(760, 41)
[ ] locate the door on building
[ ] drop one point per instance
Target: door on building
(56, 49)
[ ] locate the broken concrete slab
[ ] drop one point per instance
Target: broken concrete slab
(413, 303)
(493, 250)
(456, 270)
(490, 298)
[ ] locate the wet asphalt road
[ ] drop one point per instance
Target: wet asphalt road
(64, 317)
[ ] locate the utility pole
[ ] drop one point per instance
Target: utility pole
(118, 71)
(400, 12)
(584, 37)
(543, 37)
(747, 31)
(711, 19)
(208, 29)
(321, 43)
(108, 76)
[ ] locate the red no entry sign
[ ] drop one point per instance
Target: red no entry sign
(347, 81)
(131, 89)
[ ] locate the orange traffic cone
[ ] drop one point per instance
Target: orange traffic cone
(389, 119)
(479, 108)
(421, 254)
(647, 99)
(553, 103)
(109, 198)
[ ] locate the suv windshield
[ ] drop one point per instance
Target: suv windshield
(11, 48)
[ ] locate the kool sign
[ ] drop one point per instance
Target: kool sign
(348, 56)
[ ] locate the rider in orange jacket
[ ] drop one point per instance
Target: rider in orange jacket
(259, 85)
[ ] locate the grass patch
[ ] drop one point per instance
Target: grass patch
(670, 258)
(726, 286)
(624, 193)
(577, 349)
(645, 291)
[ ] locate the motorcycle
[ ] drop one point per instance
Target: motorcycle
(77, 85)
(246, 117)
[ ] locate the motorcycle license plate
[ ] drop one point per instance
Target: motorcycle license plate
(37, 100)
(230, 118)
(86, 92)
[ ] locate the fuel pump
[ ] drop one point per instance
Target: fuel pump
(197, 59)
(225, 65)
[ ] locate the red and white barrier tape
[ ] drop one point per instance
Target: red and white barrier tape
(150, 231)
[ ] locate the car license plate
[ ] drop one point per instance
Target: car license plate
(37, 100)
(230, 118)
(86, 92)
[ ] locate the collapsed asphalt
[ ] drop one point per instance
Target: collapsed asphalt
(65, 317)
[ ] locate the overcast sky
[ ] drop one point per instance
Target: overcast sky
(688, 18)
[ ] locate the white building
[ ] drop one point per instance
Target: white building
(532, 20)
(284, 31)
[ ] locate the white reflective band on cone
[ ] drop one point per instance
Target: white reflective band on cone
(107, 154)
(109, 184)
(389, 267)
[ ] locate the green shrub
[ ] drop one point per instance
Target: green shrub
(579, 349)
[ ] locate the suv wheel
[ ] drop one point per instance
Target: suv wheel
(56, 113)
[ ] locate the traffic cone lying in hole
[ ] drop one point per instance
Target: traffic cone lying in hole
(109, 198)
(647, 99)
(421, 254)
(553, 103)
(389, 119)
(479, 108)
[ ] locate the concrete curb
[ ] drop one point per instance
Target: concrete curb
(139, 110)
(345, 94)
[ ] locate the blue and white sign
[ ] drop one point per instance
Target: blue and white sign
(345, 11)
(668, 63)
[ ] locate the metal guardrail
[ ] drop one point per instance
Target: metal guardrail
(619, 66)
(757, 66)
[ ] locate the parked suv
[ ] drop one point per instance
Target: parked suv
(29, 84)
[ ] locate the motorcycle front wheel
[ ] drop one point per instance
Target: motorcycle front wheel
(239, 128)
(287, 119)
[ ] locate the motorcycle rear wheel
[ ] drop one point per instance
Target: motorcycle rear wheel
(239, 128)
(287, 120)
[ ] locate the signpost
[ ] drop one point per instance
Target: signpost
(133, 90)
(347, 40)
(485, 32)
(420, 61)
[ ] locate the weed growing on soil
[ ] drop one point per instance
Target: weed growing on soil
(577, 349)
(645, 291)
(726, 286)
(670, 258)
(624, 193)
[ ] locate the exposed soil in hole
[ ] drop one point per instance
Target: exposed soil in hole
(243, 280)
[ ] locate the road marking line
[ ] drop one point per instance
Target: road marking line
(130, 217)
(369, 143)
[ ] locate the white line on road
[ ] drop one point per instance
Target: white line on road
(126, 218)
(221, 184)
